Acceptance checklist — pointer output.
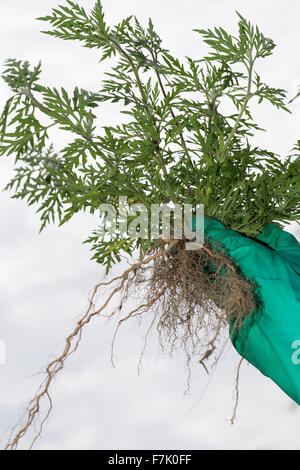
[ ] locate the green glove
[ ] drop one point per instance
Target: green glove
(270, 340)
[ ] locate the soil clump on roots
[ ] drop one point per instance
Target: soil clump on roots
(189, 297)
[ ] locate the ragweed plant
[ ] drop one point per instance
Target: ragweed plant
(176, 145)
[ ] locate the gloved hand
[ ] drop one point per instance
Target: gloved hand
(270, 340)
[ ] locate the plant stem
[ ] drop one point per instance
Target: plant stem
(247, 98)
(144, 98)
(183, 143)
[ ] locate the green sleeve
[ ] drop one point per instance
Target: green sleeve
(270, 338)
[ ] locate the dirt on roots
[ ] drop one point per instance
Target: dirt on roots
(189, 297)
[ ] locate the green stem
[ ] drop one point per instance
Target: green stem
(183, 143)
(247, 98)
(148, 111)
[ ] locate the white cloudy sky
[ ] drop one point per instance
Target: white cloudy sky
(45, 279)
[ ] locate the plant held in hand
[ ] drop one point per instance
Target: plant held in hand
(175, 146)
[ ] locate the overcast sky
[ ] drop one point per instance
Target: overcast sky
(45, 278)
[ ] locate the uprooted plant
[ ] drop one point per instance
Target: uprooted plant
(175, 147)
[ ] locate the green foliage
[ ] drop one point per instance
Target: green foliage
(175, 143)
(298, 94)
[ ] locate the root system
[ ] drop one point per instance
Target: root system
(189, 298)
